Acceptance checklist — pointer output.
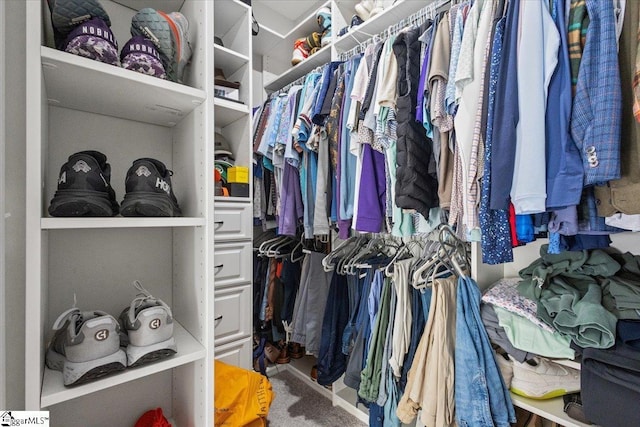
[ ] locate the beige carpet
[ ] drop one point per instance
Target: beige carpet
(297, 404)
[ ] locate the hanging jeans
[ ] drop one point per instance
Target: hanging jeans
(355, 285)
(418, 321)
(290, 282)
(361, 332)
(480, 393)
(332, 363)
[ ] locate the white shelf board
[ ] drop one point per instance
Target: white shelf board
(347, 398)
(230, 61)
(391, 16)
(118, 222)
(318, 59)
(164, 5)
(87, 85)
(265, 42)
(54, 391)
(550, 409)
(228, 15)
(232, 199)
(227, 112)
(301, 368)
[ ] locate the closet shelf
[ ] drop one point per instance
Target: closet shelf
(318, 59)
(347, 398)
(225, 18)
(229, 60)
(394, 14)
(227, 112)
(270, 42)
(54, 391)
(165, 5)
(119, 222)
(233, 199)
(87, 85)
(550, 409)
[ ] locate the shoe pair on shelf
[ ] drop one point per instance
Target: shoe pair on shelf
(84, 189)
(538, 378)
(88, 345)
(159, 45)
(307, 46)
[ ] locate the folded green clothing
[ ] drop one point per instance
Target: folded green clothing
(527, 336)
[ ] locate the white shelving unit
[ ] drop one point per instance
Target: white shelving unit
(76, 104)
(233, 218)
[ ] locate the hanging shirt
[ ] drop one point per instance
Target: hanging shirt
(563, 162)
(536, 62)
(468, 89)
(506, 109)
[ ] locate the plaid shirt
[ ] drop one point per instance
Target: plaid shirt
(597, 108)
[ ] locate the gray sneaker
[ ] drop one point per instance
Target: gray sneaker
(148, 324)
(170, 34)
(85, 346)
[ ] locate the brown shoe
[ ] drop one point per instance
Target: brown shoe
(314, 373)
(283, 357)
(296, 351)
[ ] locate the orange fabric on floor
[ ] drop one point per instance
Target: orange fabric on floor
(241, 397)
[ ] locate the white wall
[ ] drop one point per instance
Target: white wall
(14, 200)
(3, 323)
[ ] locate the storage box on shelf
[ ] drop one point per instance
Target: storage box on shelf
(76, 104)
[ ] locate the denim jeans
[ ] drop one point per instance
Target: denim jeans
(376, 415)
(332, 363)
(417, 327)
(355, 286)
(480, 393)
(290, 282)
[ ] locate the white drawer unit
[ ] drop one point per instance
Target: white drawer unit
(233, 221)
(233, 314)
(232, 263)
(237, 353)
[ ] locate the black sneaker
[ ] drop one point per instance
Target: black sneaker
(149, 190)
(84, 187)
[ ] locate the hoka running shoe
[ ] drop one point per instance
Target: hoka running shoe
(84, 187)
(149, 190)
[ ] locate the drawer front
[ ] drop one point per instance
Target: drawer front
(232, 309)
(232, 264)
(236, 353)
(233, 221)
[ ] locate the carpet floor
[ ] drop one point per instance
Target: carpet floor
(297, 404)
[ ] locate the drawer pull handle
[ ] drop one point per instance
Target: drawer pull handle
(218, 222)
(218, 266)
(218, 318)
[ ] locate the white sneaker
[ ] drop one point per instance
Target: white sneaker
(148, 324)
(545, 380)
(505, 365)
(85, 346)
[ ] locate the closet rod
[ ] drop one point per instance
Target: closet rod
(416, 18)
(298, 81)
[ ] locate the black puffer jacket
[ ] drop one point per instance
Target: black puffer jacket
(416, 188)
